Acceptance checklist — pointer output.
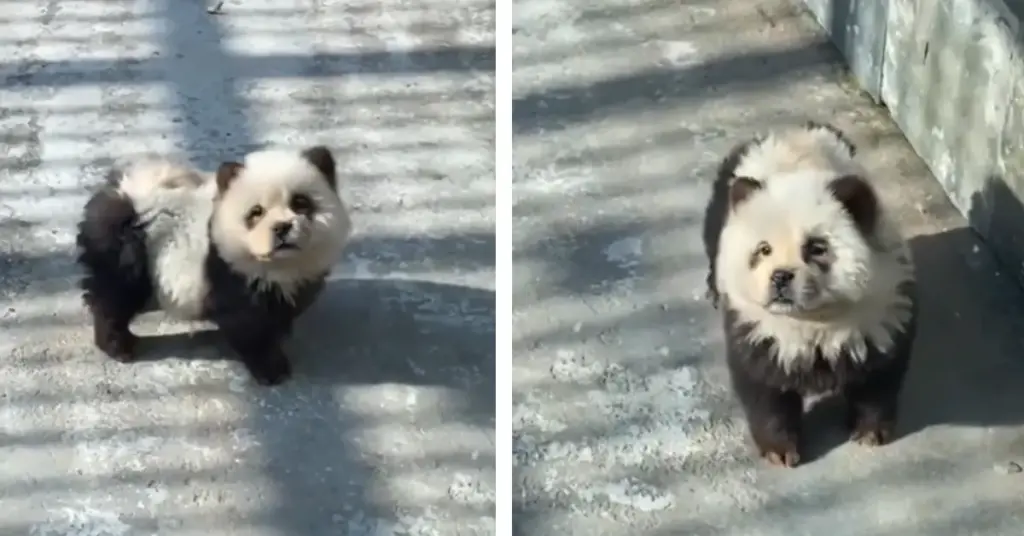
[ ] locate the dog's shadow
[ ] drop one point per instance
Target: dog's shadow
(370, 331)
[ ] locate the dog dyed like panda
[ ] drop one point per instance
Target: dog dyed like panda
(247, 248)
(814, 283)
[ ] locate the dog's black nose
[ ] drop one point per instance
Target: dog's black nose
(282, 228)
(782, 278)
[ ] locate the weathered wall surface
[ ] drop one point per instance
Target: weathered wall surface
(858, 29)
(950, 74)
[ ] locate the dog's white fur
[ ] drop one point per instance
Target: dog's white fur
(182, 213)
(862, 287)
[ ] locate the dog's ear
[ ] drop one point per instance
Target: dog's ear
(323, 160)
(741, 188)
(859, 200)
(226, 174)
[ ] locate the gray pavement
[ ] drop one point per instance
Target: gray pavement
(622, 422)
(387, 427)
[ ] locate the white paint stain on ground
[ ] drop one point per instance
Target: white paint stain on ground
(553, 180)
(468, 490)
(82, 520)
(526, 416)
(537, 15)
(356, 267)
(702, 12)
(638, 495)
(423, 524)
(573, 367)
(124, 451)
(679, 53)
(566, 35)
(625, 252)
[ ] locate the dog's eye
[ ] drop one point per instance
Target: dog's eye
(254, 214)
(301, 204)
(763, 249)
(815, 247)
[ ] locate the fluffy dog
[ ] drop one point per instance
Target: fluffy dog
(815, 285)
(247, 248)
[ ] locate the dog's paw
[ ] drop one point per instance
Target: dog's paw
(872, 436)
(120, 347)
(270, 371)
(786, 456)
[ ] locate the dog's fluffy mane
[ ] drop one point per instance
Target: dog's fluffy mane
(794, 172)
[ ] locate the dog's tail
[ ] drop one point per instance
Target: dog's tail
(141, 178)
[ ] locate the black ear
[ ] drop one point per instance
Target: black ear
(226, 173)
(741, 188)
(858, 197)
(322, 159)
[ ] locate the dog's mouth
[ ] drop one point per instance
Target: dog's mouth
(285, 246)
(794, 300)
(280, 250)
(781, 306)
(807, 311)
(283, 251)
(781, 300)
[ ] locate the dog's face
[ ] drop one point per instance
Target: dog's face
(279, 210)
(797, 250)
(278, 222)
(789, 270)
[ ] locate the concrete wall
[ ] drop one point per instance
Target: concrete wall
(950, 73)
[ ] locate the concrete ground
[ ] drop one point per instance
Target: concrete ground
(387, 427)
(622, 422)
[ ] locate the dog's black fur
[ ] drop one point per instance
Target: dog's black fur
(718, 209)
(117, 288)
(772, 397)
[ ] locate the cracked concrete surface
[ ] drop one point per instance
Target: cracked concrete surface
(387, 427)
(622, 422)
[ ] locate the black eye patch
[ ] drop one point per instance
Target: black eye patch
(815, 250)
(763, 249)
(253, 215)
(302, 204)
